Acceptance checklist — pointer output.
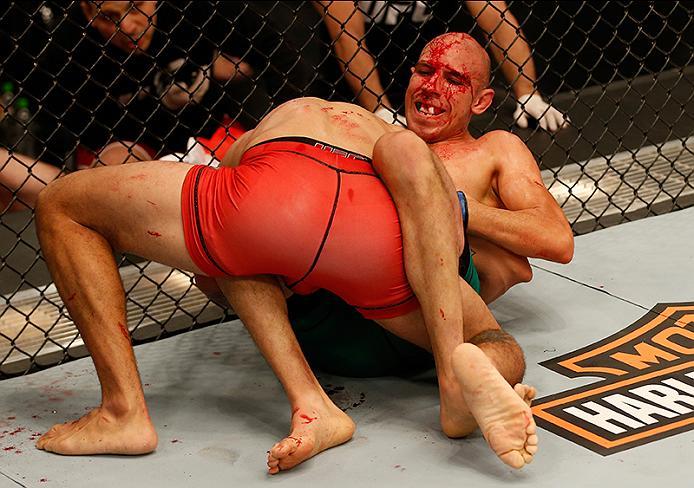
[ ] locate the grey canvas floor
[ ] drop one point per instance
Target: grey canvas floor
(218, 408)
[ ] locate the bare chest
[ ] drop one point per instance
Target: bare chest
(472, 170)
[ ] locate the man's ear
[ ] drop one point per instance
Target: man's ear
(483, 101)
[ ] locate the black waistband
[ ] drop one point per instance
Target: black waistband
(320, 145)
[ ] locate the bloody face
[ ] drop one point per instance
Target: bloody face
(127, 25)
(442, 88)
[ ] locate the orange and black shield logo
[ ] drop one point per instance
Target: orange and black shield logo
(647, 391)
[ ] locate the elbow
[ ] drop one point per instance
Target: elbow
(557, 246)
(524, 273)
(562, 248)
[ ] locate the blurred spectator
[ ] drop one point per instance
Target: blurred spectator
(283, 42)
(122, 80)
(395, 32)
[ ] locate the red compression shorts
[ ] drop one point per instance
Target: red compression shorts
(313, 214)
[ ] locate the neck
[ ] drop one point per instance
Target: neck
(463, 136)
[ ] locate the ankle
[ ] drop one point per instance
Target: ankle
(122, 408)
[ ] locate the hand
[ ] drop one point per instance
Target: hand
(390, 116)
(534, 106)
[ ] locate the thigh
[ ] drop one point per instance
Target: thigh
(476, 318)
(136, 207)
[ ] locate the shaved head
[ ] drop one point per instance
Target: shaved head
(468, 51)
(449, 84)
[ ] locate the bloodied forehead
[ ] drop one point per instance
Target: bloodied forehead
(460, 52)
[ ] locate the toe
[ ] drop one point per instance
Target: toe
(282, 449)
(527, 456)
(513, 459)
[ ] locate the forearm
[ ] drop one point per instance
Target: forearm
(509, 48)
(515, 60)
(345, 24)
(529, 233)
(498, 268)
(361, 74)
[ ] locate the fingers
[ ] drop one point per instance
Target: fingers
(548, 117)
(553, 120)
(521, 118)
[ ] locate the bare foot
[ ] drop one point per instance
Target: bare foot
(457, 420)
(313, 430)
(99, 432)
(502, 413)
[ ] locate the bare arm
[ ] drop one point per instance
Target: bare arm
(532, 224)
(498, 268)
(508, 46)
(345, 24)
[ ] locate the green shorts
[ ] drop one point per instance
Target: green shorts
(338, 340)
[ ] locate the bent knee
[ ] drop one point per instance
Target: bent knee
(55, 197)
(403, 157)
(45, 201)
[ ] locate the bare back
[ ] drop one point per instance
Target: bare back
(339, 124)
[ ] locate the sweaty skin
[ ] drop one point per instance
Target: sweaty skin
(497, 172)
(79, 229)
(456, 418)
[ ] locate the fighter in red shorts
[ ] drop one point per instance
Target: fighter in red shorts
(243, 222)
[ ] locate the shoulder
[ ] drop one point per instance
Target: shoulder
(509, 153)
(506, 139)
(507, 149)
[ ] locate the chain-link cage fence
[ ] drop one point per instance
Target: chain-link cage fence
(89, 83)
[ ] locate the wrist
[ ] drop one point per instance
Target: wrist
(474, 208)
(524, 89)
(526, 97)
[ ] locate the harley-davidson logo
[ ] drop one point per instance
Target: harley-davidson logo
(647, 391)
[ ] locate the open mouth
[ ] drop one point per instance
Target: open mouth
(428, 110)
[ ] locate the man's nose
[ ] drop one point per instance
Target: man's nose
(433, 84)
(132, 23)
